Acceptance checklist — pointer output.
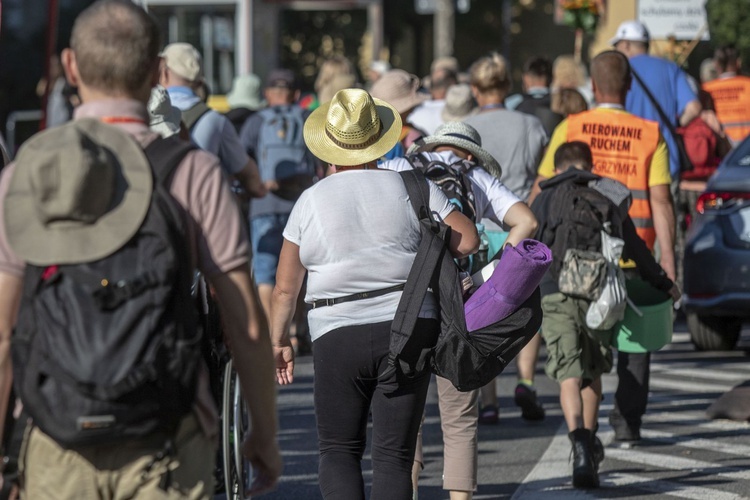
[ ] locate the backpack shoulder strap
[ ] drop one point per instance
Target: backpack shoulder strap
(682, 153)
(165, 155)
(419, 192)
(268, 112)
(417, 160)
(191, 116)
(412, 356)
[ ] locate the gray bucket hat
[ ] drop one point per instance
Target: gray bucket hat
(459, 103)
(80, 191)
(164, 118)
(463, 136)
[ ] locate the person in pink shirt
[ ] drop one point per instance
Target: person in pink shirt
(114, 62)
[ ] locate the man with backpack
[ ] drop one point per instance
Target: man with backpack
(468, 175)
(661, 92)
(632, 151)
(536, 98)
(98, 243)
(573, 209)
(273, 137)
(182, 75)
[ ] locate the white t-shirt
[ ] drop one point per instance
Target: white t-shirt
(427, 117)
(492, 199)
(357, 232)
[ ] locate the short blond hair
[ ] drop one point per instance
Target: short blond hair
(490, 74)
(331, 68)
(567, 101)
(567, 73)
(116, 46)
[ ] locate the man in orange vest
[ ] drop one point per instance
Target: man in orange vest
(631, 150)
(731, 94)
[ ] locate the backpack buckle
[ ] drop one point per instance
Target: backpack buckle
(112, 295)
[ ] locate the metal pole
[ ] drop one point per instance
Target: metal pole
(507, 21)
(375, 26)
(50, 51)
(245, 43)
(444, 28)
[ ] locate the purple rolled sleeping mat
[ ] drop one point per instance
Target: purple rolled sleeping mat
(519, 272)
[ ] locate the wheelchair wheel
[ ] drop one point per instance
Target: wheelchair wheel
(235, 426)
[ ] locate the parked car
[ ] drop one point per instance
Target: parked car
(717, 256)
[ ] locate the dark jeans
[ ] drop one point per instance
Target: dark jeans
(631, 397)
(348, 362)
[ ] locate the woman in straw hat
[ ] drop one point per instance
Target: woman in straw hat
(356, 235)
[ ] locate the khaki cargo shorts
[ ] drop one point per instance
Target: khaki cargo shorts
(573, 349)
(131, 470)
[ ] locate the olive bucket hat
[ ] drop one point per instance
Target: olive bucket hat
(78, 194)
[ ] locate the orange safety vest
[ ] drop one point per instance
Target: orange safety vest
(732, 102)
(622, 146)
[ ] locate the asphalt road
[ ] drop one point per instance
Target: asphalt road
(682, 455)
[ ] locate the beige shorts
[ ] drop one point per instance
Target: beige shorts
(123, 471)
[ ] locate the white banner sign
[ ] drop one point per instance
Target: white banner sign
(685, 19)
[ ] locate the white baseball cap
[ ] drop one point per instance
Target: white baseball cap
(185, 60)
(632, 31)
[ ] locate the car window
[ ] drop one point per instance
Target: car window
(741, 155)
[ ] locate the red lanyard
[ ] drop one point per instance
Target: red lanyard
(122, 119)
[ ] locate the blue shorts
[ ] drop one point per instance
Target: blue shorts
(266, 236)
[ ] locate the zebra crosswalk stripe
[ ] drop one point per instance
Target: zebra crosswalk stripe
(670, 488)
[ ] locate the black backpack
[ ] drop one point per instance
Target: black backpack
(108, 351)
(468, 360)
(451, 179)
(577, 214)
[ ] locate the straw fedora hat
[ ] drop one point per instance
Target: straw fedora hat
(80, 191)
(352, 129)
(463, 136)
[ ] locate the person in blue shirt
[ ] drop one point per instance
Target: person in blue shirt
(181, 73)
(678, 100)
(666, 81)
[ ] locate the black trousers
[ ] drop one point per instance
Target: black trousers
(631, 396)
(348, 363)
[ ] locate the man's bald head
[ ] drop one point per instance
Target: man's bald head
(610, 74)
(116, 46)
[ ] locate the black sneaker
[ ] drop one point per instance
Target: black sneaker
(627, 433)
(597, 451)
(525, 397)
